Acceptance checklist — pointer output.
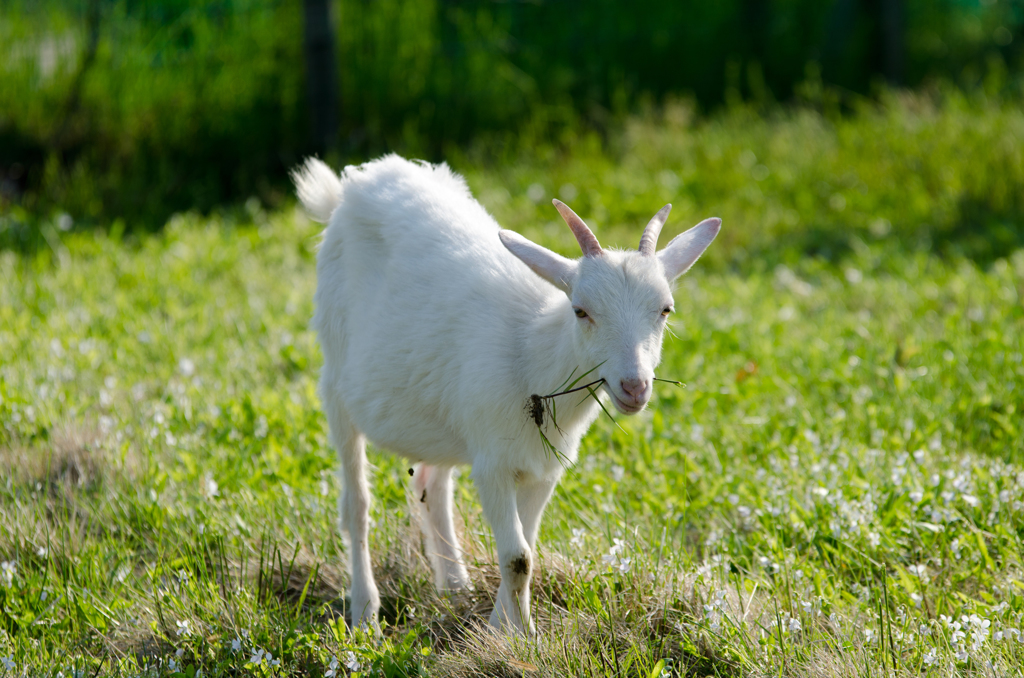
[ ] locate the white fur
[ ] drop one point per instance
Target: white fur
(437, 327)
(319, 189)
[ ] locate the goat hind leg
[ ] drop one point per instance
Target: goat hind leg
(354, 507)
(433, 488)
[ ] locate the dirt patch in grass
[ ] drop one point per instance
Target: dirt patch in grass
(75, 457)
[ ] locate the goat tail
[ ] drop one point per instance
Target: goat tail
(319, 188)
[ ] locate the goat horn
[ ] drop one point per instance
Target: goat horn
(584, 236)
(649, 240)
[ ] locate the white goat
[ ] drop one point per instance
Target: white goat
(437, 327)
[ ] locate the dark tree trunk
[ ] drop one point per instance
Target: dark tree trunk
(71, 104)
(321, 74)
(842, 18)
(754, 20)
(892, 20)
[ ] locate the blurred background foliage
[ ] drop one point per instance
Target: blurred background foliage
(130, 110)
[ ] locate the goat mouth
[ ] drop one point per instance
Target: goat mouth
(624, 407)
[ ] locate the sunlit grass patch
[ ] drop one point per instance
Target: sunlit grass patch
(837, 490)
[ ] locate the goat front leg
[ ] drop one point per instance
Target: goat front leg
(497, 491)
(531, 498)
(433, 488)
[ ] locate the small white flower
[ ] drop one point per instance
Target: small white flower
(332, 668)
(794, 625)
(7, 573)
(106, 424)
(578, 534)
(614, 559)
(351, 662)
(930, 656)
(179, 652)
(8, 663)
(236, 645)
(617, 472)
(257, 656)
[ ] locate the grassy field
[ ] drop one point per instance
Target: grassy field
(838, 490)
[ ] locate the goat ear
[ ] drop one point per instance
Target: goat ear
(556, 269)
(684, 249)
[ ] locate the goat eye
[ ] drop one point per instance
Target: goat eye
(580, 313)
(665, 311)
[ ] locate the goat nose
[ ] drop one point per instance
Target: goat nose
(634, 387)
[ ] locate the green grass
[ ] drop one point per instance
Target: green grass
(836, 491)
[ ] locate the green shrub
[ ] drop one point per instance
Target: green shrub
(140, 108)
